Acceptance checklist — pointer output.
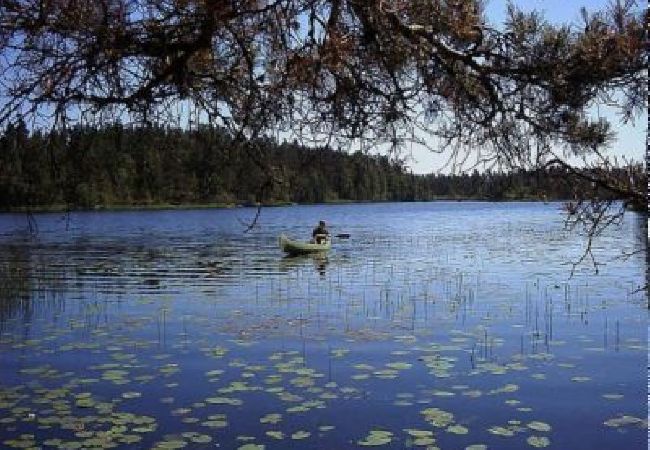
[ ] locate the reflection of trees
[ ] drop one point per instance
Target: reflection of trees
(37, 278)
(641, 245)
(641, 230)
(23, 293)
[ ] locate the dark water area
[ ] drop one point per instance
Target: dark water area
(446, 325)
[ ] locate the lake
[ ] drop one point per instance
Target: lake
(446, 325)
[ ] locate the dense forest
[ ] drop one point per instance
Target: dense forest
(124, 166)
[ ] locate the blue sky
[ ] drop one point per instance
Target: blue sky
(558, 11)
(630, 141)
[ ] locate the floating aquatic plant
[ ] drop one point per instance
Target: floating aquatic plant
(539, 426)
(376, 438)
(538, 441)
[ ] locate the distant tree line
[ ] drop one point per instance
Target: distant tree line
(114, 165)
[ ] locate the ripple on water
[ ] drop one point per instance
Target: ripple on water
(442, 325)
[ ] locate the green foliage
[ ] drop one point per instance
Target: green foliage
(114, 165)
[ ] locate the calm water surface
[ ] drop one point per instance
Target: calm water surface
(435, 325)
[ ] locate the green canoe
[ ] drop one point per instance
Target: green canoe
(300, 248)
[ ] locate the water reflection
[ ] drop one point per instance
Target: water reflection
(319, 261)
(26, 292)
(451, 332)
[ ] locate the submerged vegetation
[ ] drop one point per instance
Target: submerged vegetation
(125, 166)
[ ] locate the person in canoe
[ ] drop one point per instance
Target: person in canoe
(320, 233)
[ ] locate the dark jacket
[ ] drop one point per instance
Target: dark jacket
(319, 230)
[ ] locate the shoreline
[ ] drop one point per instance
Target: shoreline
(188, 206)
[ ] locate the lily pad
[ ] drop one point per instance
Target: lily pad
(457, 429)
(538, 441)
(501, 431)
(252, 447)
(201, 439)
(129, 395)
(224, 401)
(399, 365)
(271, 418)
(298, 435)
(275, 434)
(539, 426)
(376, 438)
